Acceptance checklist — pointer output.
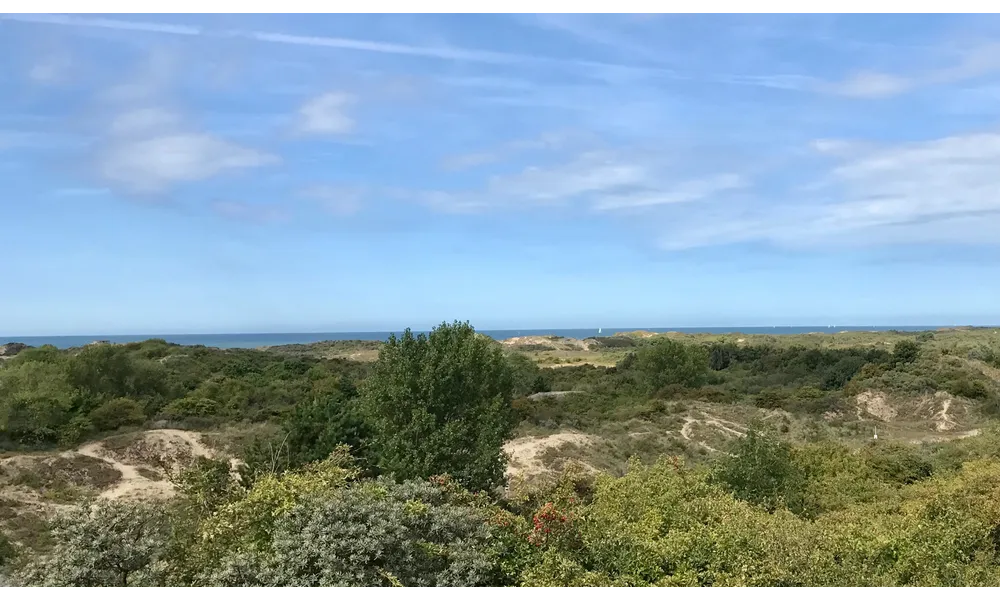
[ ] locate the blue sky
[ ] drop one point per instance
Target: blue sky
(228, 173)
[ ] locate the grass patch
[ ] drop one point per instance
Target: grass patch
(60, 478)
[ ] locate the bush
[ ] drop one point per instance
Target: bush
(615, 341)
(112, 544)
(374, 535)
(973, 389)
(896, 463)
(116, 413)
(761, 471)
(905, 352)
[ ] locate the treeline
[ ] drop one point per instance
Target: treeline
(805, 381)
(49, 396)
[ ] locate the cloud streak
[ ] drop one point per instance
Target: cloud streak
(449, 53)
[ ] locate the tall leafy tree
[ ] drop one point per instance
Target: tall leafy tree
(441, 404)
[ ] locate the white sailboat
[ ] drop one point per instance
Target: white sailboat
(598, 330)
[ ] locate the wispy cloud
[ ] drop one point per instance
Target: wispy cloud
(50, 70)
(968, 63)
(597, 180)
(598, 69)
(585, 29)
(549, 141)
(327, 114)
(149, 165)
(939, 190)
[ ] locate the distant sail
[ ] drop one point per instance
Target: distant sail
(598, 330)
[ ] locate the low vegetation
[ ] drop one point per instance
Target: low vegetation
(450, 459)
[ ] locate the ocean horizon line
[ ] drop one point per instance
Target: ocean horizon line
(259, 340)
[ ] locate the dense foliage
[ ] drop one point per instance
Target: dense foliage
(441, 404)
(389, 474)
(854, 523)
(49, 396)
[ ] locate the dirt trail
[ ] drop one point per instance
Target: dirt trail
(726, 426)
(946, 438)
(942, 420)
(133, 484)
(708, 420)
(686, 433)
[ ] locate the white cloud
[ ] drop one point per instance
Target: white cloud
(153, 164)
(550, 141)
(943, 190)
(871, 85)
(104, 23)
(326, 114)
(684, 191)
(595, 29)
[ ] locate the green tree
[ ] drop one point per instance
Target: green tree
(35, 401)
(315, 428)
(528, 378)
(666, 362)
(441, 404)
(905, 352)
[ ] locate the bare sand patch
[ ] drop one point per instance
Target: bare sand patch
(137, 457)
(525, 453)
(874, 404)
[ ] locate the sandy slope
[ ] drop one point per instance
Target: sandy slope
(173, 444)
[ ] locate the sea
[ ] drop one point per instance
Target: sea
(258, 340)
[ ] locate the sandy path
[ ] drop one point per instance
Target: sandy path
(132, 483)
(689, 423)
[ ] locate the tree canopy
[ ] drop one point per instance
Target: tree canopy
(441, 404)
